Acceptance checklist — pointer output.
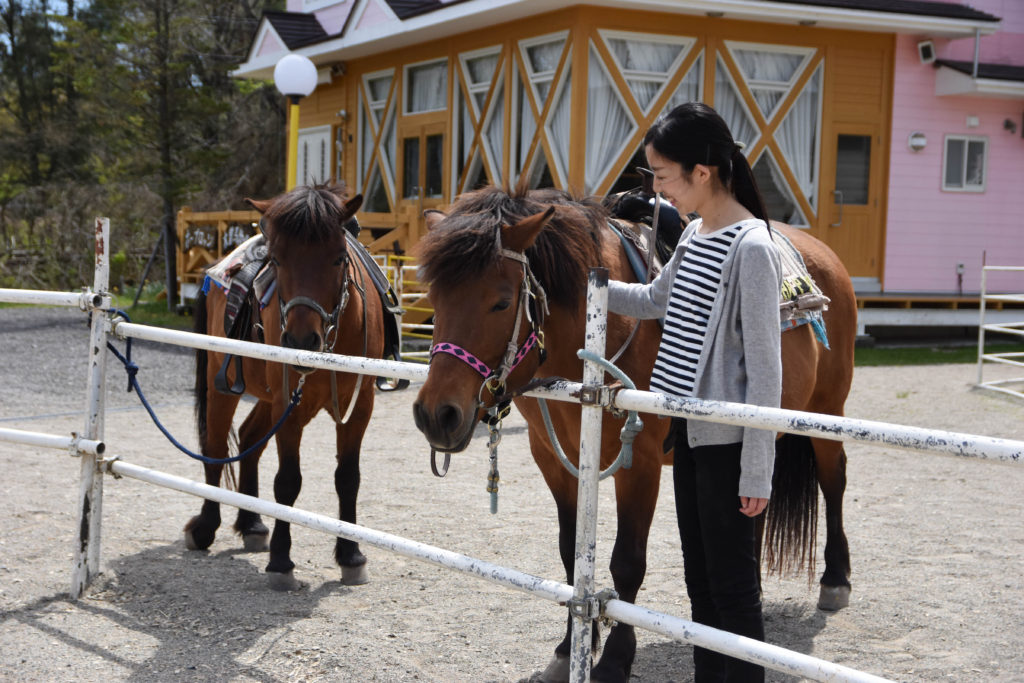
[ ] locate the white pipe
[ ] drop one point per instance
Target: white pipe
(545, 588)
(269, 352)
(811, 424)
(67, 443)
(981, 324)
(86, 550)
(792, 421)
(587, 481)
(770, 656)
(84, 300)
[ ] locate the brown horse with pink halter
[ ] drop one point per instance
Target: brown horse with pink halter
(499, 259)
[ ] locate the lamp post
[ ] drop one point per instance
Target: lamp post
(295, 78)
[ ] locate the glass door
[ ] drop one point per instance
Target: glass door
(421, 170)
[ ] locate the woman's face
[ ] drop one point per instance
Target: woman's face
(674, 184)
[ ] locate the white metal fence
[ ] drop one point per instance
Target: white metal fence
(582, 595)
(1012, 385)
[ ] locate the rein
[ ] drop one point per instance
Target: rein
(330, 324)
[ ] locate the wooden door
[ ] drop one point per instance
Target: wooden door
(852, 210)
(421, 173)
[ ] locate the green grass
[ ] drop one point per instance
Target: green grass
(926, 355)
(153, 313)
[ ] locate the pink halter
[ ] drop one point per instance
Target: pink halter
(477, 364)
(495, 379)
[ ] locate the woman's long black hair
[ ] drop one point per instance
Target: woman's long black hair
(694, 133)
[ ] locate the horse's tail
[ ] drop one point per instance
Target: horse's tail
(792, 521)
(199, 325)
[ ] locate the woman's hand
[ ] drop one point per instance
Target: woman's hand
(752, 507)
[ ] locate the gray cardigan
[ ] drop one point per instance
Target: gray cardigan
(741, 360)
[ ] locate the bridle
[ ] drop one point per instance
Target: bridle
(329, 321)
(533, 305)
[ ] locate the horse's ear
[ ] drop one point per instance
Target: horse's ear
(433, 217)
(521, 236)
(352, 205)
(260, 205)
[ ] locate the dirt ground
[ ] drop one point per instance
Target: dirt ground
(937, 544)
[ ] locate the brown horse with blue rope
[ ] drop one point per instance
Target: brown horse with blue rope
(324, 301)
(495, 253)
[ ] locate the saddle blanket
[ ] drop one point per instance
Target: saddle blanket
(801, 301)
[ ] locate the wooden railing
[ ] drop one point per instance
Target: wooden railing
(204, 237)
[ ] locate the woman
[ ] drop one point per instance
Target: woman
(719, 295)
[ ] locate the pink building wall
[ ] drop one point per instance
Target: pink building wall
(930, 231)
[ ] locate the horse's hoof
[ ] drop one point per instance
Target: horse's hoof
(833, 598)
(256, 543)
(285, 581)
(355, 576)
(557, 670)
(202, 542)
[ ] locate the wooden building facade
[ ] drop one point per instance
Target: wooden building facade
(419, 101)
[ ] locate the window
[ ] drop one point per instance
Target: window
(314, 160)
(963, 164)
(377, 141)
(426, 87)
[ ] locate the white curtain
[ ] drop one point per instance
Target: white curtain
(645, 65)
(427, 87)
(366, 138)
(778, 196)
(609, 125)
(769, 74)
(389, 144)
(495, 132)
(798, 137)
(541, 62)
(689, 89)
(559, 125)
(527, 125)
(729, 106)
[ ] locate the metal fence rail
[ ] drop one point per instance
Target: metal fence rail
(1013, 385)
(89, 447)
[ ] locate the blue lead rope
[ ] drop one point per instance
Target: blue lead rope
(132, 369)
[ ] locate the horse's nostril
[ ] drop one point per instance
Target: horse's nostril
(449, 417)
(311, 342)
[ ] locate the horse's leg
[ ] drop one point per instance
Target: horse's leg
(287, 484)
(835, 582)
(636, 493)
(564, 488)
(220, 409)
(346, 483)
(249, 525)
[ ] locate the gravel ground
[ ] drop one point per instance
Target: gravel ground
(937, 545)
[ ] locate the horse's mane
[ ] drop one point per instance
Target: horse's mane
(310, 214)
(463, 246)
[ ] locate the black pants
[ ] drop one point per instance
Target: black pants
(719, 557)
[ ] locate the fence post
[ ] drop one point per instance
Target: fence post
(584, 605)
(86, 552)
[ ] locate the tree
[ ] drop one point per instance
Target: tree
(126, 108)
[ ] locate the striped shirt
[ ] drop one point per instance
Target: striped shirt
(686, 319)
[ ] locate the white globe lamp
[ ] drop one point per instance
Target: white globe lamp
(295, 78)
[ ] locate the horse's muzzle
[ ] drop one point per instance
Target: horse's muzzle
(446, 427)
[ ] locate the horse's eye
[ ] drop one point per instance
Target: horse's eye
(340, 261)
(273, 260)
(501, 306)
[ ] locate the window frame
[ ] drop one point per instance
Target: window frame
(405, 99)
(967, 140)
